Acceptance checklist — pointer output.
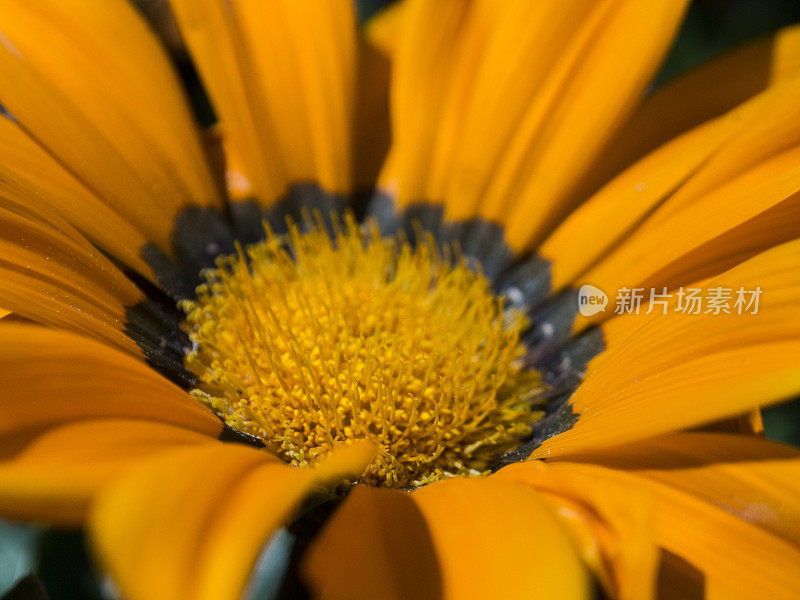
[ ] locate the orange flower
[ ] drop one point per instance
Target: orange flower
(430, 373)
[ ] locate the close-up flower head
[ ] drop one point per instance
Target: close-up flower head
(429, 299)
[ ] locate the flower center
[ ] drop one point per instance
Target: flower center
(309, 340)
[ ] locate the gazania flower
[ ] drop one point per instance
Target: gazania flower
(375, 317)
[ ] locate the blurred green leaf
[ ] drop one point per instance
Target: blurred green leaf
(270, 570)
(18, 552)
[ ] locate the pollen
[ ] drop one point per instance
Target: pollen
(314, 338)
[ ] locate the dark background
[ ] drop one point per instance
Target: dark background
(711, 27)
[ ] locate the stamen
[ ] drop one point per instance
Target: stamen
(307, 341)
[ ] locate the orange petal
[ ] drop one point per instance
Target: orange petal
(543, 162)
(655, 373)
(499, 528)
(102, 98)
(52, 377)
(52, 274)
(420, 72)
(597, 225)
(51, 475)
(706, 536)
(707, 91)
(616, 538)
(376, 545)
(453, 539)
(488, 108)
(383, 28)
(749, 423)
(742, 201)
(774, 271)
(488, 525)
(34, 180)
(634, 398)
(757, 480)
(281, 78)
(196, 519)
(471, 133)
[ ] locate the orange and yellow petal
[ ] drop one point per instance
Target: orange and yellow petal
(671, 371)
(34, 181)
(703, 93)
(195, 519)
(749, 423)
(53, 275)
(616, 539)
(774, 271)
(742, 201)
(382, 29)
(599, 93)
(52, 474)
(422, 52)
(470, 133)
(679, 188)
(281, 77)
(720, 545)
(375, 546)
(652, 396)
(593, 228)
(53, 377)
(102, 98)
(490, 538)
(755, 479)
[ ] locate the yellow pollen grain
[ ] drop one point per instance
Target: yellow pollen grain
(309, 340)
